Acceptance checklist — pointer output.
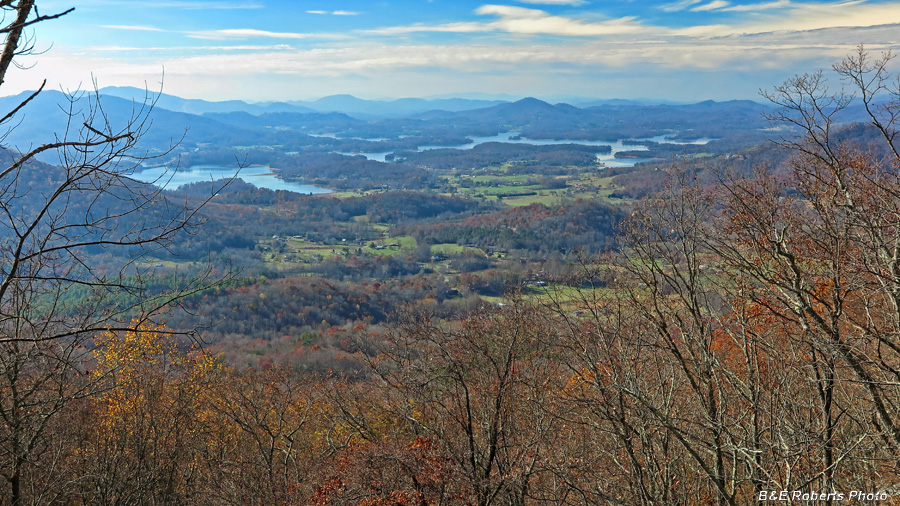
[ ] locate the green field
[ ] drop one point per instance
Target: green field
(514, 191)
(451, 249)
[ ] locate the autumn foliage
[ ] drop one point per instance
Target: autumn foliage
(743, 339)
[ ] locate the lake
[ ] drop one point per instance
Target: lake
(264, 177)
(259, 176)
(608, 159)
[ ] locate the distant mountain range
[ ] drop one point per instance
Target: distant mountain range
(347, 104)
(343, 123)
(51, 114)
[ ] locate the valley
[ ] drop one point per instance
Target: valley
(512, 289)
(445, 210)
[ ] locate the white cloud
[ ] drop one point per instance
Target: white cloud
(532, 21)
(780, 35)
(808, 16)
(715, 4)
(133, 27)
(334, 13)
(758, 7)
(184, 49)
(737, 53)
(783, 16)
(461, 27)
(524, 21)
(246, 33)
(679, 6)
(102, 49)
(273, 47)
(259, 67)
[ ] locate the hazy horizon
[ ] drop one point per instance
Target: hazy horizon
(263, 51)
(576, 101)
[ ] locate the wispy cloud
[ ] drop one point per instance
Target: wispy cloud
(776, 15)
(758, 7)
(795, 17)
(134, 27)
(266, 70)
(475, 58)
(533, 21)
(524, 21)
(102, 49)
(715, 4)
(461, 27)
(679, 6)
(248, 33)
(334, 13)
(184, 49)
(271, 47)
(511, 37)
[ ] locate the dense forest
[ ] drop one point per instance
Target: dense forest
(503, 324)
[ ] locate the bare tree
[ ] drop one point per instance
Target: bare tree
(825, 242)
(54, 220)
(751, 339)
(470, 403)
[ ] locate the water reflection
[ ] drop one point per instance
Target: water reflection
(608, 159)
(259, 176)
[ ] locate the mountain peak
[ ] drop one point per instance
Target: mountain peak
(341, 97)
(531, 101)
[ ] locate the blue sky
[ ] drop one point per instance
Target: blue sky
(259, 50)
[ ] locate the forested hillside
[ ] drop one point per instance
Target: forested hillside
(525, 321)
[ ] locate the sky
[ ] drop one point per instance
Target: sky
(267, 50)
